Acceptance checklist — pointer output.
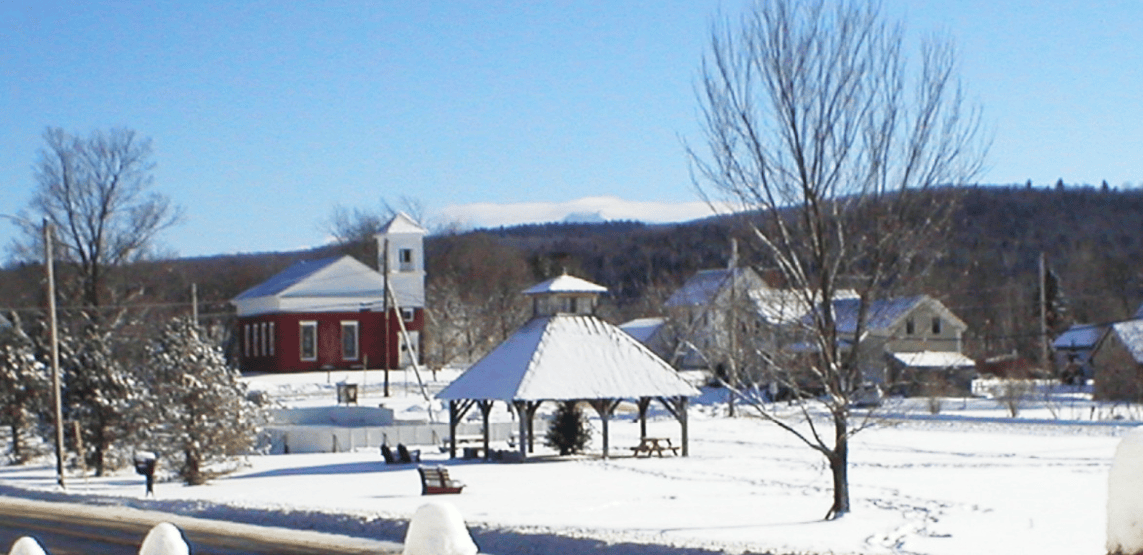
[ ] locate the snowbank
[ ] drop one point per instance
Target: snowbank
(26, 546)
(164, 539)
(438, 529)
(1125, 497)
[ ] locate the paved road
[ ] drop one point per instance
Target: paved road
(66, 528)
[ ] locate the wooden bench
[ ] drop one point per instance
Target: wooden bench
(654, 445)
(434, 480)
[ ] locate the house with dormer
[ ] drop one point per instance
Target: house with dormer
(907, 343)
(337, 312)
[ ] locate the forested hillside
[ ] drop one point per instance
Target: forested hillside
(1091, 239)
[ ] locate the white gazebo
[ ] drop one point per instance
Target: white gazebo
(565, 353)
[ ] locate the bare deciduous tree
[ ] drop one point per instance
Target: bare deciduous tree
(97, 194)
(827, 141)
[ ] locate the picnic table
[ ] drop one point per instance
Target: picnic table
(654, 445)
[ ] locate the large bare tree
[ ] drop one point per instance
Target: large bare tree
(96, 192)
(827, 141)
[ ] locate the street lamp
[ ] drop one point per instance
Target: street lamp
(49, 270)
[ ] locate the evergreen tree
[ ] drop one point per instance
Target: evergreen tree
(198, 410)
(99, 394)
(24, 386)
(1055, 303)
(569, 431)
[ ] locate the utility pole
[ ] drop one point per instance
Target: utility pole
(385, 273)
(49, 271)
(1044, 315)
(48, 267)
(194, 303)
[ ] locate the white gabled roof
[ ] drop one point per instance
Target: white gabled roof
(642, 329)
(324, 285)
(567, 357)
(402, 223)
(1130, 333)
(565, 284)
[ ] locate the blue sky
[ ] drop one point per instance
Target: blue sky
(265, 115)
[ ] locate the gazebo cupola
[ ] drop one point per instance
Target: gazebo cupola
(564, 295)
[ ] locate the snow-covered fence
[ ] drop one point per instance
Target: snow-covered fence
(288, 438)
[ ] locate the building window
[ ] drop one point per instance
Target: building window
(271, 353)
(910, 327)
(936, 325)
(349, 340)
(262, 339)
(308, 331)
(407, 314)
(405, 260)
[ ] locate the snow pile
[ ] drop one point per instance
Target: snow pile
(438, 529)
(26, 546)
(164, 539)
(1125, 496)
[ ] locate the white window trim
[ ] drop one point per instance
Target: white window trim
(408, 314)
(403, 264)
(356, 339)
(302, 325)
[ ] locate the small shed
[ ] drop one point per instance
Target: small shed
(565, 353)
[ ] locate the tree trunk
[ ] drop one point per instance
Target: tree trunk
(839, 468)
(17, 454)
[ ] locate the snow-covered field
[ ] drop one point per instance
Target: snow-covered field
(967, 480)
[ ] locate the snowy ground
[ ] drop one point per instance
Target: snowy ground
(967, 480)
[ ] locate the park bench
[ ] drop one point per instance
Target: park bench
(434, 480)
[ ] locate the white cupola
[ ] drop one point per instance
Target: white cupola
(564, 295)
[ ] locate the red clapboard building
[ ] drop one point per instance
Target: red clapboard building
(335, 313)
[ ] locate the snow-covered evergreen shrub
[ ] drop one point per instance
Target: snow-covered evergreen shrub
(569, 431)
(199, 414)
(1125, 497)
(99, 393)
(24, 388)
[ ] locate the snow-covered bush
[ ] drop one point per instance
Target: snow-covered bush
(199, 415)
(569, 431)
(24, 387)
(99, 393)
(1125, 497)
(1012, 394)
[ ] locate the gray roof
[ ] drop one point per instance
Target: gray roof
(703, 287)
(567, 357)
(883, 314)
(287, 278)
(642, 329)
(1079, 336)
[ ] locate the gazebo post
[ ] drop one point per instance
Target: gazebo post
(524, 414)
(644, 402)
(605, 407)
(456, 411)
(677, 406)
(485, 409)
(453, 419)
(683, 401)
(532, 407)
